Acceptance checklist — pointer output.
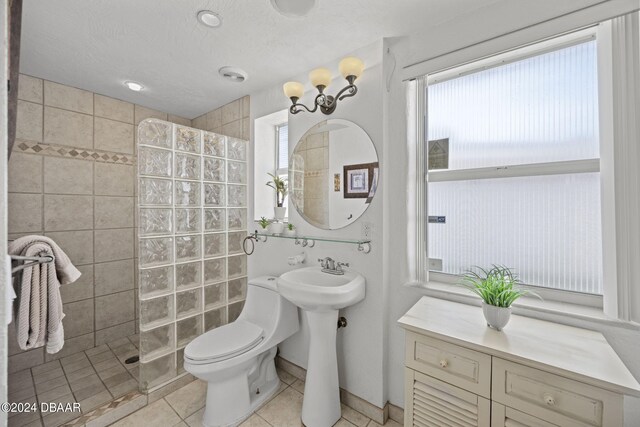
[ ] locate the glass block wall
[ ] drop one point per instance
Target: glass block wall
(192, 219)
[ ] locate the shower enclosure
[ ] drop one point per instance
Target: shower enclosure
(192, 219)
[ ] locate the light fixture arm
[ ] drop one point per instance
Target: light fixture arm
(327, 103)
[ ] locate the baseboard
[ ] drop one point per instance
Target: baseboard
(396, 413)
(379, 415)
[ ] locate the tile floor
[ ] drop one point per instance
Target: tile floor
(185, 406)
(92, 378)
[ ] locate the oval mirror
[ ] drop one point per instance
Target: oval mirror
(333, 174)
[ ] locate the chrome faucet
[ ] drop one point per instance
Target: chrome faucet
(329, 265)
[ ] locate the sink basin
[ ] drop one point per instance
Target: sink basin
(311, 289)
(320, 295)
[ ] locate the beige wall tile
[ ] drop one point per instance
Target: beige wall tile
(232, 112)
(80, 289)
(67, 97)
(200, 122)
(78, 319)
(142, 113)
(68, 128)
(114, 332)
(113, 179)
(68, 212)
(111, 135)
(113, 109)
(68, 176)
(30, 89)
(29, 121)
(246, 106)
(233, 129)
(73, 345)
(78, 245)
(114, 309)
(112, 277)
(214, 119)
(25, 213)
(26, 360)
(114, 244)
(246, 129)
(25, 173)
(113, 212)
(179, 120)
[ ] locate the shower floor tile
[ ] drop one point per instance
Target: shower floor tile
(93, 378)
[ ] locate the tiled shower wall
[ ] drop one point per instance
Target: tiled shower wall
(71, 177)
(192, 197)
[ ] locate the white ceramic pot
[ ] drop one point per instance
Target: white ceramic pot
(290, 233)
(279, 213)
(497, 317)
(276, 228)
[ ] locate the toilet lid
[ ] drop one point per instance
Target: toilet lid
(224, 342)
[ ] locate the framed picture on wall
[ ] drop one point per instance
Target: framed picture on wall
(358, 180)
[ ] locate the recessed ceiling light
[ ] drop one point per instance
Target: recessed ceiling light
(136, 87)
(293, 8)
(233, 74)
(210, 19)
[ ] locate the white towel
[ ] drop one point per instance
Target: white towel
(39, 315)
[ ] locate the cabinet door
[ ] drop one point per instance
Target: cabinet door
(502, 416)
(431, 402)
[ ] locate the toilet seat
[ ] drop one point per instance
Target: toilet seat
(224, 342)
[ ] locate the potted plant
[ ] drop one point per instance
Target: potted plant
(264, 223)
(280, 185)
(498, 289)
(290, 230)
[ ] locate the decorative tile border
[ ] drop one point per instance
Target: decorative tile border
(31, 147)
(103, 410)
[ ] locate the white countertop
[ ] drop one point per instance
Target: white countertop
(579, 354)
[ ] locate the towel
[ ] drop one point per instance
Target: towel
(38, 317)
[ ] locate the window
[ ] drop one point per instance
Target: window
(513, 167)
(282, 149)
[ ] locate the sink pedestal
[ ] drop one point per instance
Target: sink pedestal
(321, 405)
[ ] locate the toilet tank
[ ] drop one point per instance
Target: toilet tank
(265, 307)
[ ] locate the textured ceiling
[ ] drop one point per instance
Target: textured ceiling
(98, 44)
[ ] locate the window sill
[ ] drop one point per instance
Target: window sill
(554, 311)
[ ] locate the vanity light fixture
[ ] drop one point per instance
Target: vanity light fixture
(350, 67)
(209, 19)
(134, 86)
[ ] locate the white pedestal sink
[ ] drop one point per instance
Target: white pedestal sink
(320, 295)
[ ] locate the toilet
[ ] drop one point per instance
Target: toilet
(237, 360)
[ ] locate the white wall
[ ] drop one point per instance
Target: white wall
(3, 210)
(360, 345)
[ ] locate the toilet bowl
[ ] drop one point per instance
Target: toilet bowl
(237, 360)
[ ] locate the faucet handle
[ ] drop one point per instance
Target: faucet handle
(323, 262)
(339, 265)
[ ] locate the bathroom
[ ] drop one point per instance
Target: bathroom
(140, 138)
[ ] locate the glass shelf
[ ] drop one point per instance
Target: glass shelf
(364, 245)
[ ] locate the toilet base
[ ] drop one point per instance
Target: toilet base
(256, 401)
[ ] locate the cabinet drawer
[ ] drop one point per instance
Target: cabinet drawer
(464, 368)
(502, 416)
(553, 398)
(432, 402)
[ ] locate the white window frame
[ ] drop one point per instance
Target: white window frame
(280, 171)
(506, 171)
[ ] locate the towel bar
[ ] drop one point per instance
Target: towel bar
(34, 261)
